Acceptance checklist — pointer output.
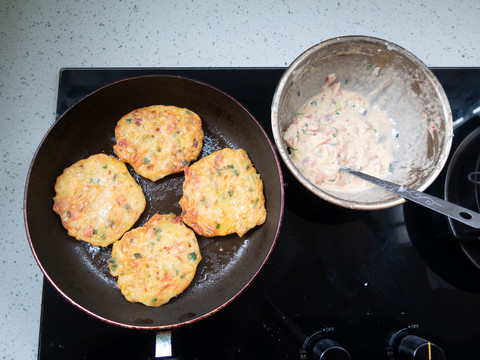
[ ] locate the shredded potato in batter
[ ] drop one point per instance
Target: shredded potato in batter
(339, 128)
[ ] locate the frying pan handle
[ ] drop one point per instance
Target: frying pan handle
(163, 344)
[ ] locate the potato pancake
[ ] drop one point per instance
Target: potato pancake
(159, 140)
(155, 262)
(223, 194)
(98, 200)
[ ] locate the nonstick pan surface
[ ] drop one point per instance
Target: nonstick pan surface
(80, 272)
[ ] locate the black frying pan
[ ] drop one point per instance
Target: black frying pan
(461, 190)
(79, 271)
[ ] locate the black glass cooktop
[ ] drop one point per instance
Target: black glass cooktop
(353, 277)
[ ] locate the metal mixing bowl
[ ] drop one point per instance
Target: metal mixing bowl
(401, 85)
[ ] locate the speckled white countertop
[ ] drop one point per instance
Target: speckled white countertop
(37, 38)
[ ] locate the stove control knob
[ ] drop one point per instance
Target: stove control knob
(326, 349)
(413, 347)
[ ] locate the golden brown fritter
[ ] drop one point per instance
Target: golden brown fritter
(159, 140)
(98, 200)
(223, 194)
(155, 262)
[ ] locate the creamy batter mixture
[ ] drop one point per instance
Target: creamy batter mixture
(339, 128)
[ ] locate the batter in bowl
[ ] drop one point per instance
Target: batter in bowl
(339, 128)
